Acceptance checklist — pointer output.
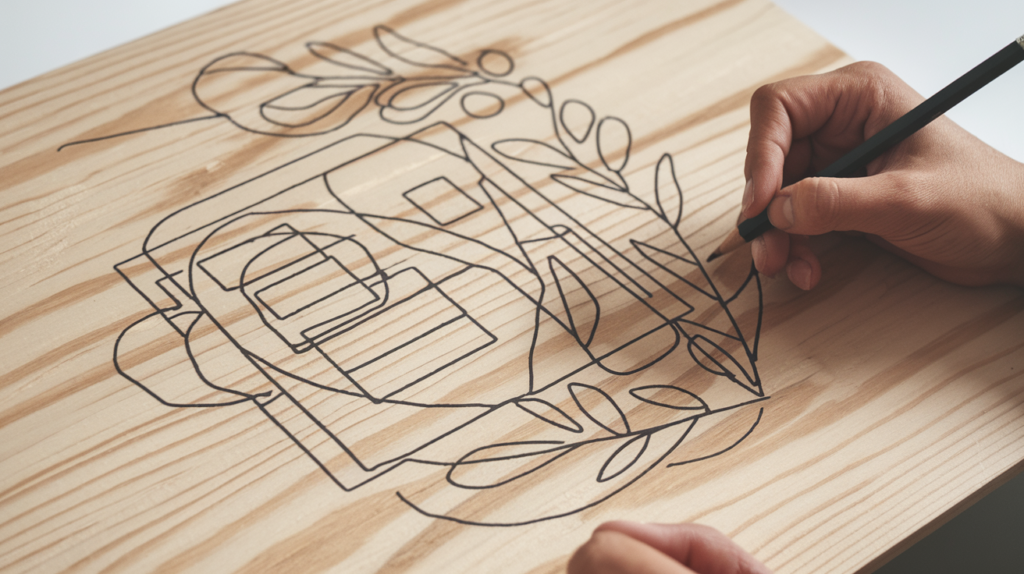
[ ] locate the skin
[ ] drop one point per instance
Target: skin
(634, 548)
(942, 199)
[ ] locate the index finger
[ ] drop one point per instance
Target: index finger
(780, 114)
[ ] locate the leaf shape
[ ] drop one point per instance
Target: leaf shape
(415, 53)
(714, 359)
(667, 192)
(339, 107)
(669, 397)
(495, 465)
(346, 58)
(549, 413)
(419, 94)
(535, 152)
(309, 97)
(623, 457)
(577, 119)
(580, 303)
(746, 306)
(676, 265)
(538, 91)
(613, 136)
(598, 191)
(600, 408)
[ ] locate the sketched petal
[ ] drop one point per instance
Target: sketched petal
(415, 53)
(500, 464)
(330, 112)
(714, 359)
(623, 457)
(599, 407)
(580, 304)
(549, 413)
(346, 58)
(746, 307)
(613, 138)
(538, 91)
(309, 97)
(669, 397)
(598, 191)
(420, 94)
(577, 119)
(535, 152)
(667, 192)
(682, 269)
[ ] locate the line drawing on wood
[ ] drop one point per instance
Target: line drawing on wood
(463, 281)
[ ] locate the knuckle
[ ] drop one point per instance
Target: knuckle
(766, 95)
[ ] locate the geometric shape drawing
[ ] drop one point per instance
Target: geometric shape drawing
(442, 201)
(467, 283)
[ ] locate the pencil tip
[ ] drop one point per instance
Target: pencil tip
(714, 256)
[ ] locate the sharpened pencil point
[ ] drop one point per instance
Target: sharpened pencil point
(714, 256)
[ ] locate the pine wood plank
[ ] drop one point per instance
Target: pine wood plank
(371, 287)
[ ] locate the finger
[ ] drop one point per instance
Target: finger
(698, 547)
(770, 252)
(881, 205)
(803, 268)
(779, 114)
(610, 552)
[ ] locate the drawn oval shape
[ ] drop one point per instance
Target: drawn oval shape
(623, 458)
(482, 104)
(669, 397)
(549, 413)
(577, 119)
(613, 143)
(495, 63)
(599, 407)
(537, 90)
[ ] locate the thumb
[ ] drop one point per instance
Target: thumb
(700, 548)
(813, 206)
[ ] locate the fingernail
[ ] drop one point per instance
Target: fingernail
(787, 211)
(759, 251)
(799, 273)
(748, 196)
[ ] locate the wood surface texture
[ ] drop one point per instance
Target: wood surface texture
(408, 286)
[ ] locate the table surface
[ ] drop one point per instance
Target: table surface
(798, 426)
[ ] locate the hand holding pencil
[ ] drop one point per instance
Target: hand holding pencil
(941, 199)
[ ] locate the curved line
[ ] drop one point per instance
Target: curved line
(723, 451)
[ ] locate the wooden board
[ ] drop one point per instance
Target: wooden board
(316, 286)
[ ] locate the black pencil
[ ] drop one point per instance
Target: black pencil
(857, 159)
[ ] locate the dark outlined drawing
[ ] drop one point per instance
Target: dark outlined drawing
(464, 281)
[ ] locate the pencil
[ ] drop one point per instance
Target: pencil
(857, 159)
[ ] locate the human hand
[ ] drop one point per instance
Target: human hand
(634, 548)
(942, 199)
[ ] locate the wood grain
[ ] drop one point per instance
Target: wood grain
(315, 286)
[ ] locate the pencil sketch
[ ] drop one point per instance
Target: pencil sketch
(466, 281)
